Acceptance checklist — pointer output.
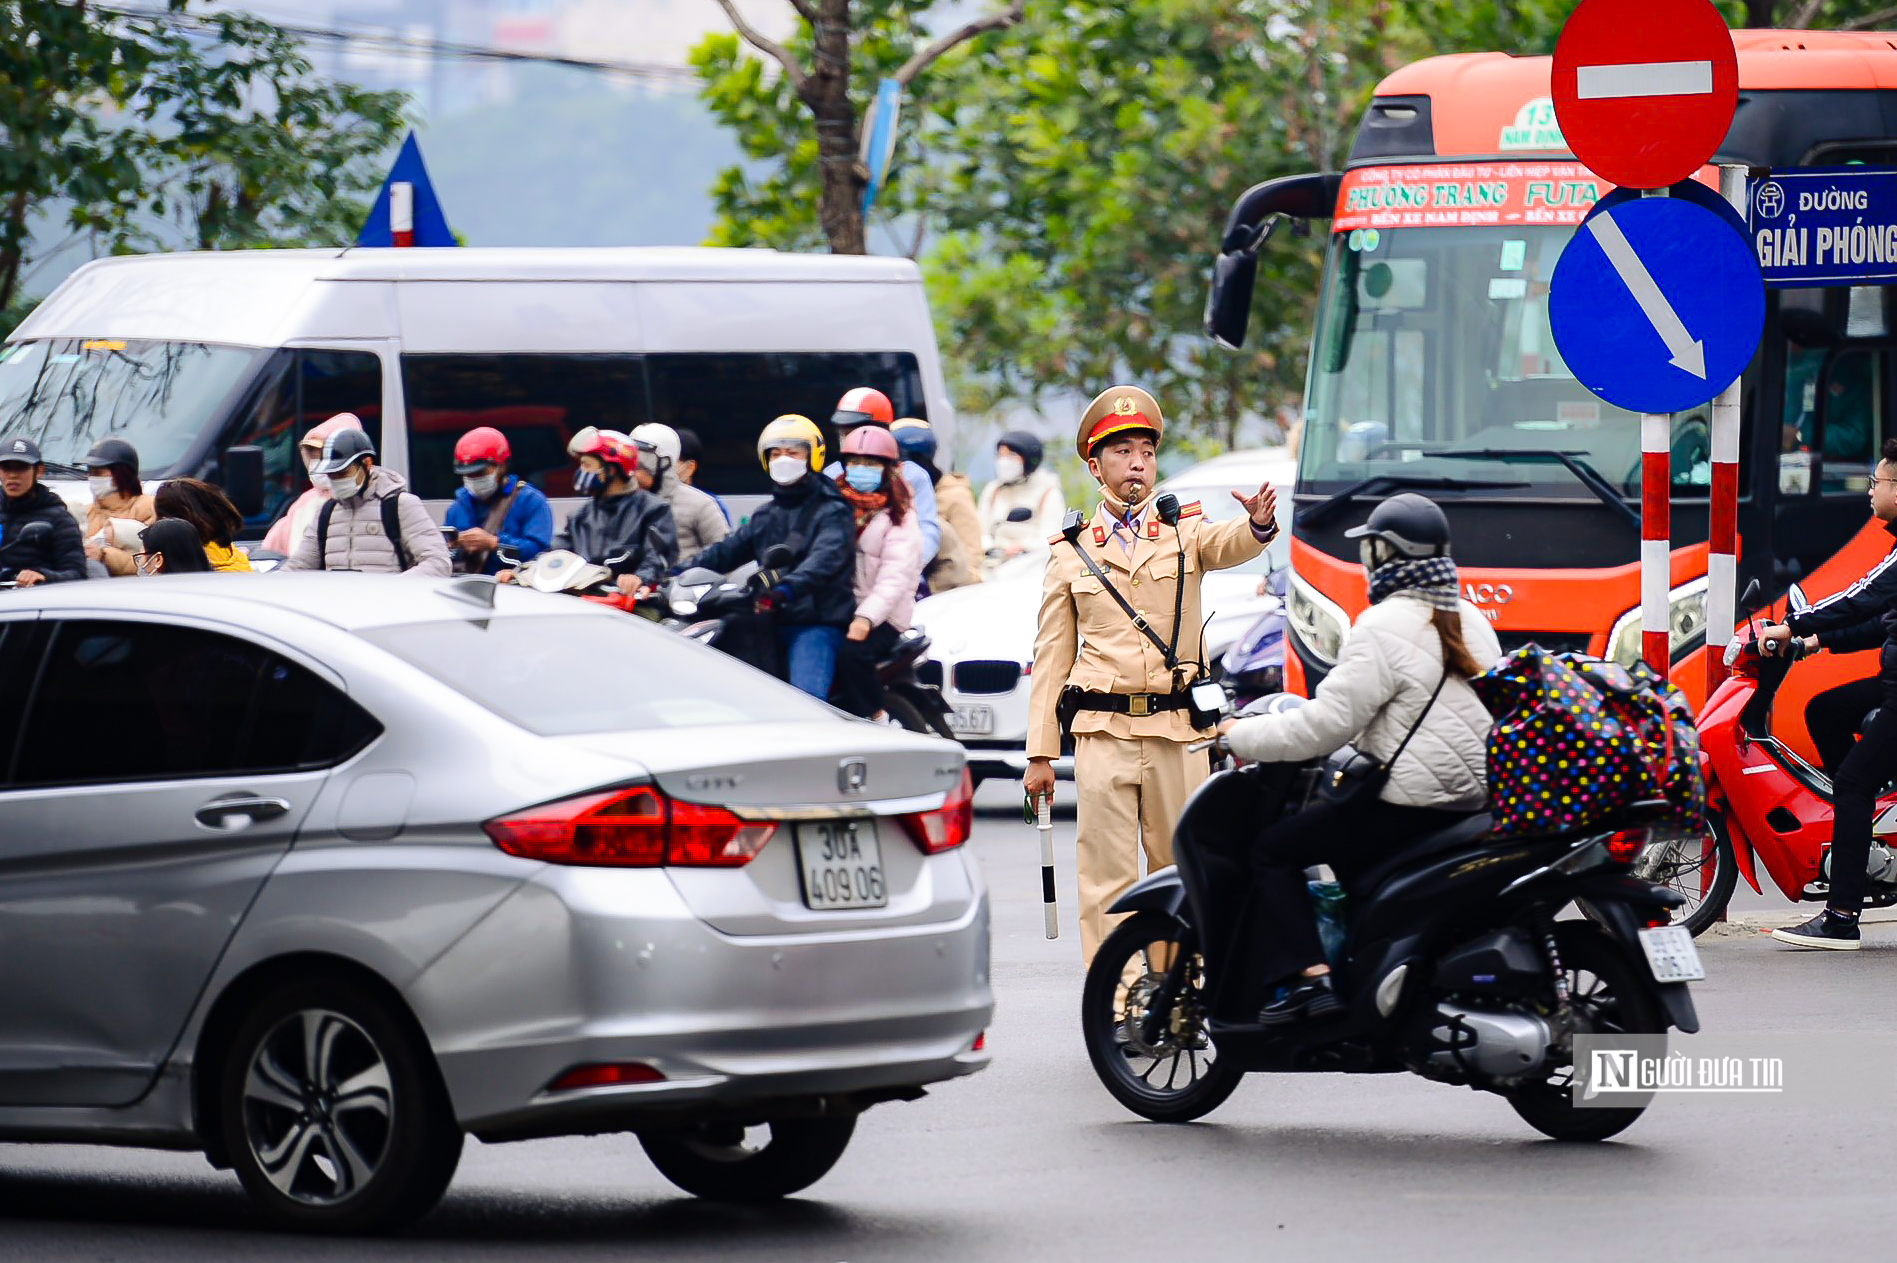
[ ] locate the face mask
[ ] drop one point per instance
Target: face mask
(482, 487)
(863, 477)
(786, 470)
(321, 482)
(101, 484)
(344, 486)
(1009, 468)
(588, 482)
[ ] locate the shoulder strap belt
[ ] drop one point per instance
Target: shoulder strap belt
(1070, 530)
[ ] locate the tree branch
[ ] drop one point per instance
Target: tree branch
(756, 39)
(805, 11)
(1007, 17)
(1869, 20)
(1806, 12)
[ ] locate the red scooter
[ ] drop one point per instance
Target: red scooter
(1766, 806)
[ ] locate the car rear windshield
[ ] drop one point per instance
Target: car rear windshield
(559, 675)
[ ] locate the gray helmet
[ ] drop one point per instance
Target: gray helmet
(1410, 524)
(341, 450)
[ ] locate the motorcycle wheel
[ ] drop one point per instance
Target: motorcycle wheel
(904, 712)
(1609, 994)
(1667, 862)
(1181, 1077)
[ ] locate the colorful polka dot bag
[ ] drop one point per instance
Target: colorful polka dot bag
(1577, 739)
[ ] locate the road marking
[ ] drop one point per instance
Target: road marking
(1643, 78)
(1687, 352)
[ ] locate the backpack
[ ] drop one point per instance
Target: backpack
(391, 527)
(1577, 739)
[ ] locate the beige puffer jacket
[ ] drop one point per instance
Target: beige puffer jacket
(1385, 673)
(356, 541)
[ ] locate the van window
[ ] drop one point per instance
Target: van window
(68, 393)
(297, 391)
(537, 401)
(727, 397)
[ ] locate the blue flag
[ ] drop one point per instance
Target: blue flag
(430, 225)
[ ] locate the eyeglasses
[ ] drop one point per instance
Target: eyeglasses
(145, 561)
(1875, 480)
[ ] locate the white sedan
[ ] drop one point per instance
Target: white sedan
(983, 650)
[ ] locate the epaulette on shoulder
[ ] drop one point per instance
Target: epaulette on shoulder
(1055, 538)
(1191, 509)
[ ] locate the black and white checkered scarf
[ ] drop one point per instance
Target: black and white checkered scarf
(1433, 579)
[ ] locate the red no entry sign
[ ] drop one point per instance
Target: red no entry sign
(1644, 89)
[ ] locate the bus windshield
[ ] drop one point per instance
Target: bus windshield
(68, 393)
(1434, 360)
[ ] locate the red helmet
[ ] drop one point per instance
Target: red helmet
(482, 446)
(612, 448)
(865, 405)
(871, 440)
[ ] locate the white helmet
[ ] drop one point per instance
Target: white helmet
(663, 440)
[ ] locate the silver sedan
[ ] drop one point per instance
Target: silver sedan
(321, 873)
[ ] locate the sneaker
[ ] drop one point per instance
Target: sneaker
(1826, 930)
(1309, 1000)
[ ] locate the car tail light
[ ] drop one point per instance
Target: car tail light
(615, 1074)
(949, 825)
(980, 1044)
(630, 828)
(1624, 845)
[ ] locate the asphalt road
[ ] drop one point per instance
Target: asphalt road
(1032, 1160)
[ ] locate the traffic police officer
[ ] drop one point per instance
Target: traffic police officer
(1128, 707)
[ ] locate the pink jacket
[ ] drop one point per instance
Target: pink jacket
(888, 567)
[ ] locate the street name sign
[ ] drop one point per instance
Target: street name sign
(1644, 89)
(1656, 304)
(1825, 225)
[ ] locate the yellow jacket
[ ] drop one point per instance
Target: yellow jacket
(225, 557)
(1085, 638)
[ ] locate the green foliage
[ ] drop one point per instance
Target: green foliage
(771, 200)
(224, 133)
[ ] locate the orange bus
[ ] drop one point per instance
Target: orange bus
(1433, 368)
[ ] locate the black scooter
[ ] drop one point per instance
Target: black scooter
(735, 617)
(1454, 965)
(10, 574)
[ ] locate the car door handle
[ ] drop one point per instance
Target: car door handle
(240, 811)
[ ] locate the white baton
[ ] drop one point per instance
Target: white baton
(1045, 824)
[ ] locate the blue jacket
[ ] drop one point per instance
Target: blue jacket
(526, 531)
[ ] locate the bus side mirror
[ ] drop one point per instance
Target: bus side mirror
(243, 479)
(1228, 305)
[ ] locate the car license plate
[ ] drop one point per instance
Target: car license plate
(841, 864)
(973, 721)
(1671, 954)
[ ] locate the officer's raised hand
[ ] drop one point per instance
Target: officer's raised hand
(1262, 507)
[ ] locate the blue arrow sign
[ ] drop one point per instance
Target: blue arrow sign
(1656, 305)
(1826, 226)
(431, 226)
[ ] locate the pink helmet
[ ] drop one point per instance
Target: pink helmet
(871, 440)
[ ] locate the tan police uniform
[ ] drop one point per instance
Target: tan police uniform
(1132, 772)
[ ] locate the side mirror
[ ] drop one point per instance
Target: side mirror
(1228, 303)
(1022, 514)
(32, 531)
(243, 479)
(1795, 600)
(1278, 582)
(1749, 599)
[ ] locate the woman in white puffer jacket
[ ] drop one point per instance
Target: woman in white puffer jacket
(1418, 640)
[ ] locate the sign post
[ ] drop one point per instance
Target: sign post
(1722, 540)
(1650, 304)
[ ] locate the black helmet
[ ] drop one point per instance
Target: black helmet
(1026, 444)
(107, 452)
(341, 450)
(1410, 524)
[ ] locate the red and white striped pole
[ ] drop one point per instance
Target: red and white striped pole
(1722, 542)
(1656, 553)
(401, 213)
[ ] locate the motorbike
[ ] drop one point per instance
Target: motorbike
(1452, 965)
(9, 574)
(560, 570)
(1767, 807)
(1254, 666)
(734, 616)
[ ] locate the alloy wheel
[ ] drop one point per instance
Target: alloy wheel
(318, 1107)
